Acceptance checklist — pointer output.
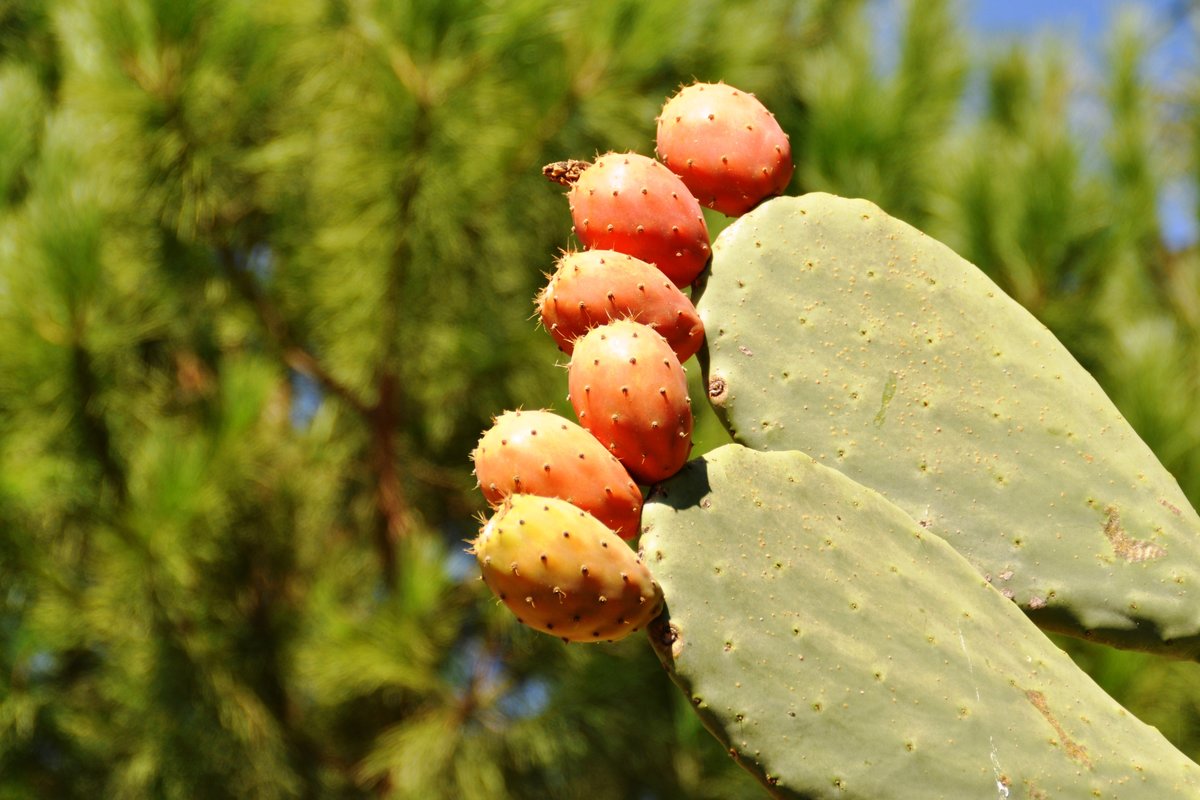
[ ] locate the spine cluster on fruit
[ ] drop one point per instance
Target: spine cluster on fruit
(565, 495)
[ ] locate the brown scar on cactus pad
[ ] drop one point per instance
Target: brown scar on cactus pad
(1131, 549)
(561, 571)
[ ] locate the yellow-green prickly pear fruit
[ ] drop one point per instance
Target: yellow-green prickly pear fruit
(561, 571)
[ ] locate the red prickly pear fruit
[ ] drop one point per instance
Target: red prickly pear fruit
(594, 287)
(562, 572)
(541, 453)
(725, 145)
(630, 391)
(633, 204)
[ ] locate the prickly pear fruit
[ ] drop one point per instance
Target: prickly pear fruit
(594, 287)
(541, 453)
(628, 388)
(725, 145)
(633, 204)
(561, 571)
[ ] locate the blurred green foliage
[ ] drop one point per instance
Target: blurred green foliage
(266, 271)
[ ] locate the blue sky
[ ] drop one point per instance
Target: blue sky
(1089, 18)
(1086, 24)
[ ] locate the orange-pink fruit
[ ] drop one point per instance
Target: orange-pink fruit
(628, 388)
(634, 205)
(725, 145)
(541, 453)
(595, 287)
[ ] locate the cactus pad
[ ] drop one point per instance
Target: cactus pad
(840, 650)
(838, 330)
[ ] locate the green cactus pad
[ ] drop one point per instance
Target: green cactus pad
(840, 331)
(838, 649)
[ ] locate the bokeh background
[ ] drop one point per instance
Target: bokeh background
(266, 271)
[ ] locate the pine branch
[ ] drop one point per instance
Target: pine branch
(280, 333)
(394, 518)
(96, 433)
(394, 515)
